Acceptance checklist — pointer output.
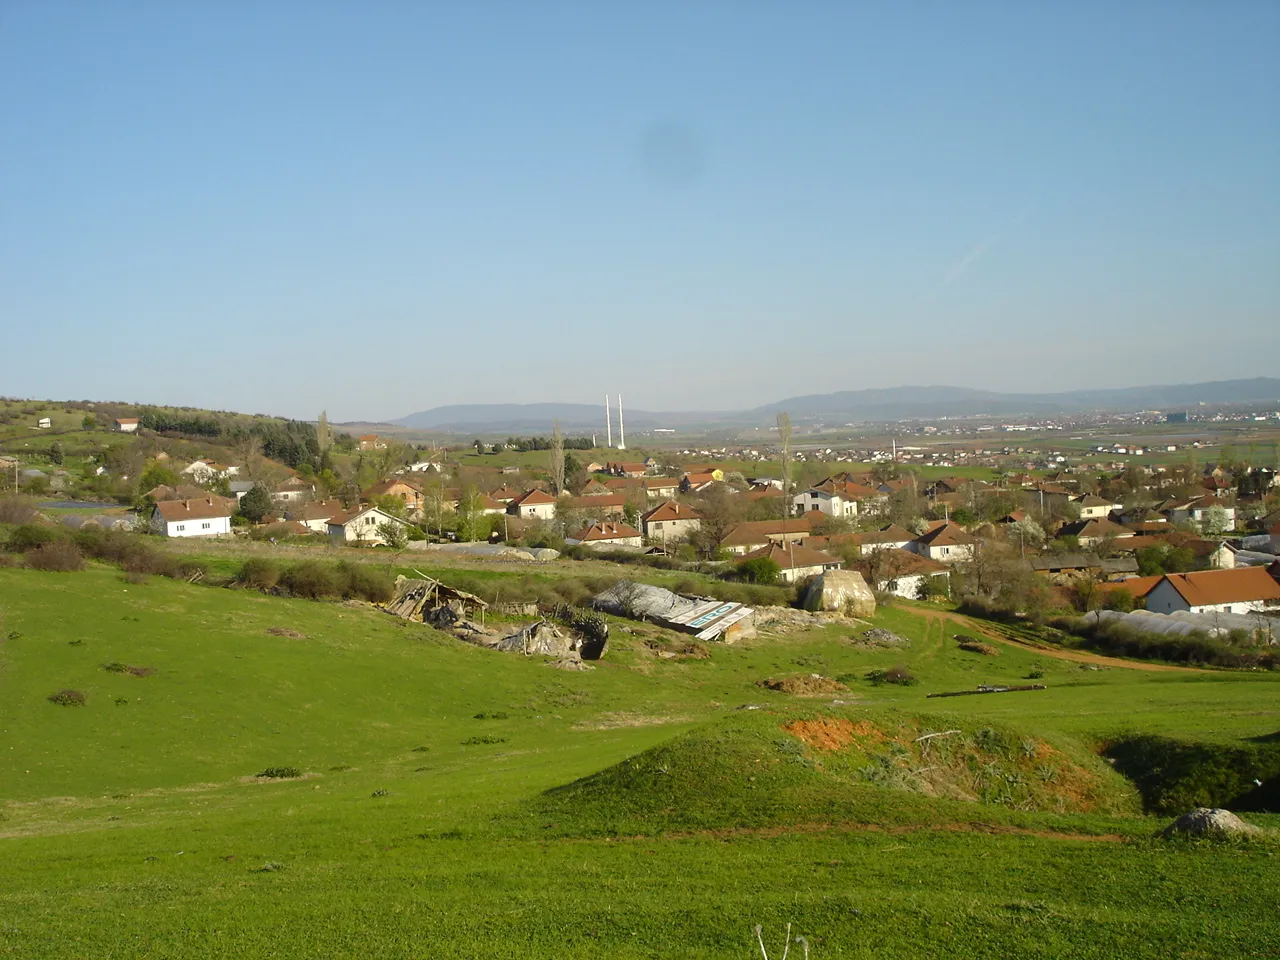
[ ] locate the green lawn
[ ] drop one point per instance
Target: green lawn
(138, 829)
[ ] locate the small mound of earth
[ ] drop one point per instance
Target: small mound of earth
(974, 645)
(678, 649)
(813, 685)
(1211, 822)
(877, 637)
(286, 632)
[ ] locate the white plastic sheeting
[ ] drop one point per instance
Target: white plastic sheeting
(1180, 623)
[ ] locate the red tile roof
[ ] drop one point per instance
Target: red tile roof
(205, 508)
(792, 557)
(1207, 588)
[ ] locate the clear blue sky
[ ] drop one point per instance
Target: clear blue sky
(377, 208)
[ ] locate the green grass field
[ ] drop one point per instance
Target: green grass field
(630, 811)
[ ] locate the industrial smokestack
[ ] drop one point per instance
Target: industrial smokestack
(608, 424)
(622, 431)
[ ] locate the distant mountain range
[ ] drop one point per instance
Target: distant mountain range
(871, 406)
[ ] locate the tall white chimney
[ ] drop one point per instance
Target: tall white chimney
(622, 431)
(608, 424)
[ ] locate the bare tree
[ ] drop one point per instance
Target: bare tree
(557, 458)
(784, 443)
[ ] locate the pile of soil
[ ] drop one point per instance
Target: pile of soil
(974, 645)
(286, 632)
(810, 685)
(787, 619)
(678, 649)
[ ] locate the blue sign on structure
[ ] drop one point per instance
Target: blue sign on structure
(706, 618)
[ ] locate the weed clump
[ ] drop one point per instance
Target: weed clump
(899, 675)
(486, 739)
(497, 715)
(68, 698)
(117, 667)
(259, 573)
(58, 556)
(280, 773)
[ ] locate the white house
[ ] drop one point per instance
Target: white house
(901, 573)
(315, 515)
(44, 423)
(292, 490)
(361, 525)
(422, 466)
(205, 517)
(946, 542)
(670, 521)
(1205, 512)
(533, 505)
(126, 425)
(1238, 590)
(796, 561)
(1094, 507)
(830, 502)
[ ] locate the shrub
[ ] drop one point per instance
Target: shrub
(68, 698)
(311, 580)
(899, 675)
(16, 509)
(259, 573)
(117, 667)
(29, 536)
(61, 556)
(1174, 777)
(974, 645)
(474, 741)
(759, 570)
(363, 582)
(280, 773)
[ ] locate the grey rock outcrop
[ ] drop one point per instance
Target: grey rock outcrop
(1211, 822)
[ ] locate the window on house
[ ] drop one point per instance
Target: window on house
(205, 526)
(181, 526)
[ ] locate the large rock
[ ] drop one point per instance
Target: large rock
(843, 591)
(1211, 822)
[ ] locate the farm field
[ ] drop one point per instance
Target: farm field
(457, 802)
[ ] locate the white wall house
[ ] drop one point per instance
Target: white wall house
(605, 534)
(206, 517)
(202, 471)
(670, 521)
(1237, 590)
(361, 526)
(126, 425)
(533, 505)
(832, 504)
(946, 543)
(315, 514)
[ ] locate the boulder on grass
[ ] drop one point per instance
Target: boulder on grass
(843, 591)
(1211, 822)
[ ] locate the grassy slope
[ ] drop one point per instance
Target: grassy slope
(117, 841)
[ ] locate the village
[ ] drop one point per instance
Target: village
(1042, 532)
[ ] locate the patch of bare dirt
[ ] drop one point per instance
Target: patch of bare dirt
(286, 632)
(622, 718)
(824, 733)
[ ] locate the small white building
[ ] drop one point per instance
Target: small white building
(293, 490)
(670, 521)
(533, 505)
(1237, 590)
(946, 542)
(361, 526)
(422, 466)
(1093, 507)
(795, 561)
(44, 423)
(830, 502)
(126, 425)
(205, 517)
(315, 514)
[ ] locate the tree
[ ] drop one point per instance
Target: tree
(324, 436)
(784, 453)
(759, 570)
(557, 458)
(156, 475)
(90, 422)
(394, 535)
(55, 453)
(1216, 523)
(256, 504)
(575, 473)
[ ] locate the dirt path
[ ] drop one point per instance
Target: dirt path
(939, 616)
